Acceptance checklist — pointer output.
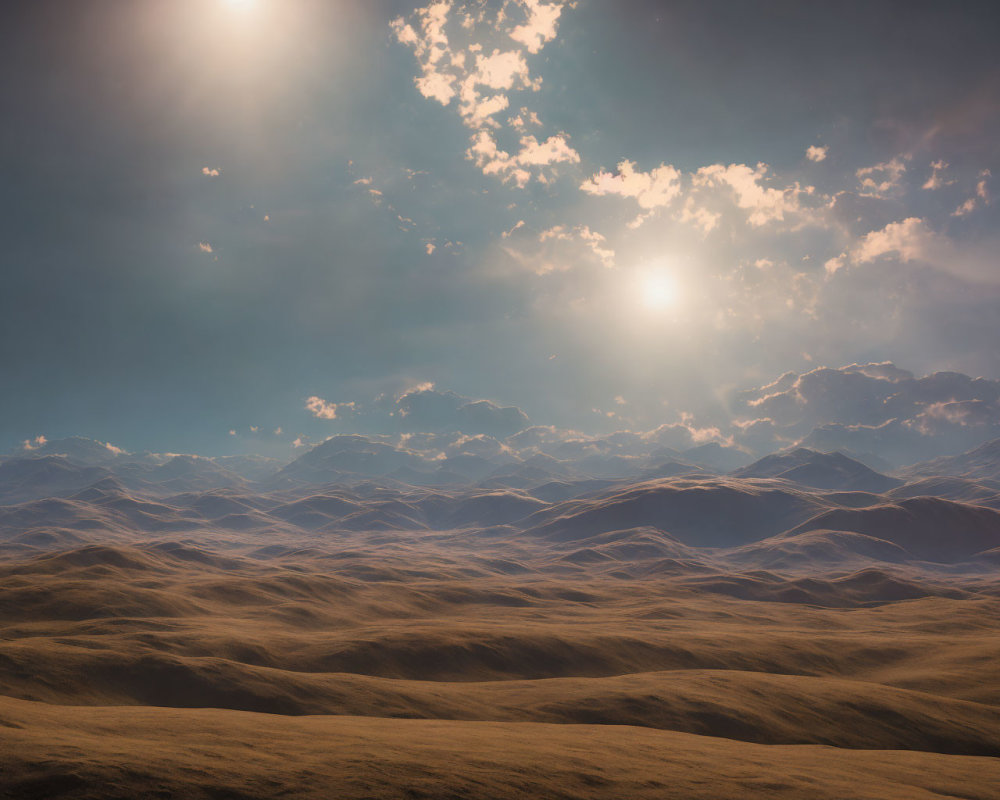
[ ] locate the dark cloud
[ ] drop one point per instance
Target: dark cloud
(430, 410)
(875, 408)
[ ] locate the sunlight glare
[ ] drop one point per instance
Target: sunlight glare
(658, 291)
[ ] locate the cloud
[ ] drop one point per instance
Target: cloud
(875, 411)
(523, 119)
(431, 48)
(517, 226)
(205, 247)
(419, 408)
(909, 239)
(654, 189)
(501, 70)
(936, 181)
(36, 443)
(764, 203)
(429, 410)
(817, 153)
(321, 409)
(517, 168)
(460, 66)
(966, 208)
(912, 240)
(879, 180)
(557, 249)
(875, 408)
(541, 25)
(594, 241)
(211, 172)
(982, 195)
(698, 216)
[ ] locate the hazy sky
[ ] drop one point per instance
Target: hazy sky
(609, 214)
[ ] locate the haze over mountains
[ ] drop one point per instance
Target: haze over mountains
(516, 593)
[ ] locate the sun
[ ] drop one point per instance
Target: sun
(657, 291)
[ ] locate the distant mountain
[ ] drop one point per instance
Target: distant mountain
(700, 513)
(929, 528)
(78, 450)
(950, 488)
(342, 457)
(180, 473)
(831, 471)
(715, 458)
(252, 468)
(982, 463)
(23, 479)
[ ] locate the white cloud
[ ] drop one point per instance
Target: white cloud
(881, 179)
(554, 150)
(430, 46)
(517, 226)
(502, 70)
(34, 444)
(321, 409)
(817, 152)
(541, 25)
(982, 195)
(594, 241)
(558, 249)
(835, 264)
(913, 240)
(966, 208)
(764, 204)
(909, 239)
(523, 119)
(654, 189)
(449, 69)
(703, 219)
(936, 181)
(516, 168)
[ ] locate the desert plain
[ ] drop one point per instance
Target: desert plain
(804, 627)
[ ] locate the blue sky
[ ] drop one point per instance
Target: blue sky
(610, 215)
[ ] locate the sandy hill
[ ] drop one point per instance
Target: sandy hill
(928, 528)
(705, 513)
(697, 636)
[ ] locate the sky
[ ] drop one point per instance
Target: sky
(238, 225)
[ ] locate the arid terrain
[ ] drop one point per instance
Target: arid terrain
(803, 627)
